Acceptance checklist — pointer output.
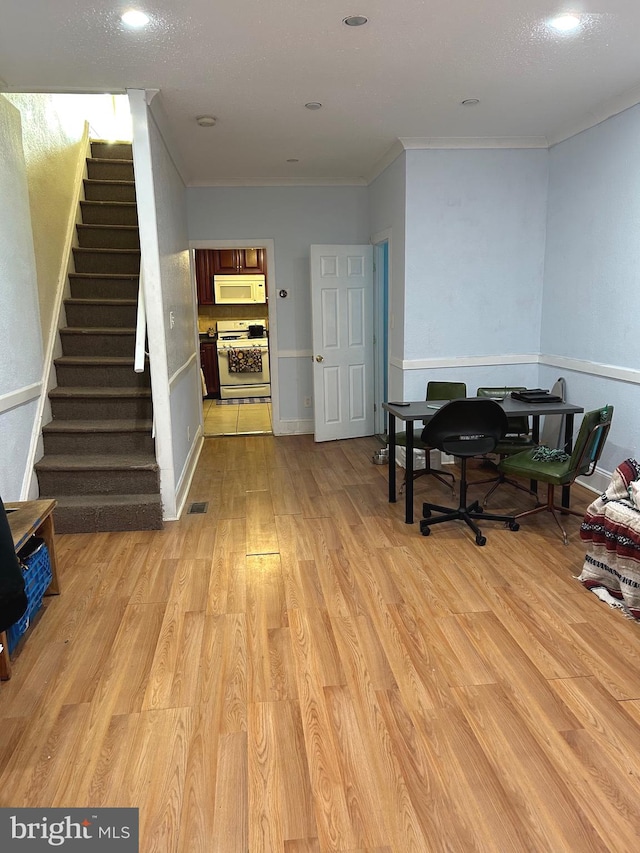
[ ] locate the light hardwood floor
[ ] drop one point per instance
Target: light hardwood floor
(300, 671)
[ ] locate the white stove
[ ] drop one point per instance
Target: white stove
(243, 360)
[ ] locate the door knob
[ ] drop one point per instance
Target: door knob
(319, 358)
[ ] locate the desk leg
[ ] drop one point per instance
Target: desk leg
(392, 458)
(535, 435)
(5, 660)
(568, 447)
(408, 492)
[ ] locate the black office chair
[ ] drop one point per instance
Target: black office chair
(435, 391)
(465, 428)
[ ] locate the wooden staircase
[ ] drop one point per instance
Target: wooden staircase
(99, 458)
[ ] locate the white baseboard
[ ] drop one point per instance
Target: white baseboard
(297, 427)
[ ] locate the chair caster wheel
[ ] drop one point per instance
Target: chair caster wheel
(481, 540)
(513, 525)
(425, 529)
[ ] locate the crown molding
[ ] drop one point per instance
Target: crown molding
(603, 111)
(411, 143)
(385, 161)
(281, 182)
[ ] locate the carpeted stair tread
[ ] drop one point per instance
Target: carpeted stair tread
(98, 462)
(99, 250)
(96, 360)
(99, 300)
(120, 425)
(103, 392)
(98, 330)
(100, 500)
(129, 276)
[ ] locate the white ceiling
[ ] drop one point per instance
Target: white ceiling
(253, 64)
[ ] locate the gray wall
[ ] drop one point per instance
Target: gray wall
(294, 218)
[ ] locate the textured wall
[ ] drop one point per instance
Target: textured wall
(21, 344)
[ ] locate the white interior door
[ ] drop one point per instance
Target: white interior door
(342, 309)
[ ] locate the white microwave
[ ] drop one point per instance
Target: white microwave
(239, 289)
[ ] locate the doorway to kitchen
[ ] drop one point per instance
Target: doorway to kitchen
(237, 340)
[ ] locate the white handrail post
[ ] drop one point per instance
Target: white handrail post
(141, 330)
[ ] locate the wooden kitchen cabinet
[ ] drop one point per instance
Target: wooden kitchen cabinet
(238, 261)
(204, 276)
(209, 363)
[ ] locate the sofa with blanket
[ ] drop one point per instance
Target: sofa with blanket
(611, 530)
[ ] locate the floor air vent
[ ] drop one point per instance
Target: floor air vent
(199, 507)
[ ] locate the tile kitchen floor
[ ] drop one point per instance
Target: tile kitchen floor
(241, 419)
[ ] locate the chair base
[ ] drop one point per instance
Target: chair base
(550, 506)
(498, 482)
(435, 472)
(469, 514)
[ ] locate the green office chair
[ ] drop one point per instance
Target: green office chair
(517, 438)
(435, 391)
(559, 469)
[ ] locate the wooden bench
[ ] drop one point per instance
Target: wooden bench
(26, 519)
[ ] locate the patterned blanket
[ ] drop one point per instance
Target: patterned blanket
(245, 360)
(611, 526)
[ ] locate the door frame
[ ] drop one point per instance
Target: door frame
(269, 246)
(381, 302)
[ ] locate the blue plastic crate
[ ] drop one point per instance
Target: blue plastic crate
(36, 568)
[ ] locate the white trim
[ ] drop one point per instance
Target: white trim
(603, 111)
(596, 482)
(274, 354)
(281, 182)
(411, 143)
(385, 161)
(297, 427)
(172, 379)
(593, 368)
(463, 361)
(13, 399)
(62, 287)
(188, 472)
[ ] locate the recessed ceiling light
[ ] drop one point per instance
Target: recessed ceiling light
(313, 105)
(470, 102)
(135, 18)
(565, 23)
(206, 121)
(355, 20)
(293, 160)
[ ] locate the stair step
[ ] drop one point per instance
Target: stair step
(122, 261)
(93, 370)
(109, 169)
(98, 474)
(105, 149)
(109, 213)
(110, 403)
(104, 513)
(101, 313)
(108, 236)
(116, 436)
(101, 190)
(97, 340)
(103, 286)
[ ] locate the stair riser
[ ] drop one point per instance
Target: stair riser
(100, 409)
(108, 518)
(103, 288)
(129, 482)
(100, 315)
(112, 150)
(97, 344)
(109, 192)
(107, 262)
(84, 443)
(109, 171)
(106, 214)
(107, 237)
(100, 376)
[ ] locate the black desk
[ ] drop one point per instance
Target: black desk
(424, 411)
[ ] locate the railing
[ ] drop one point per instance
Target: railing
(141, 330)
